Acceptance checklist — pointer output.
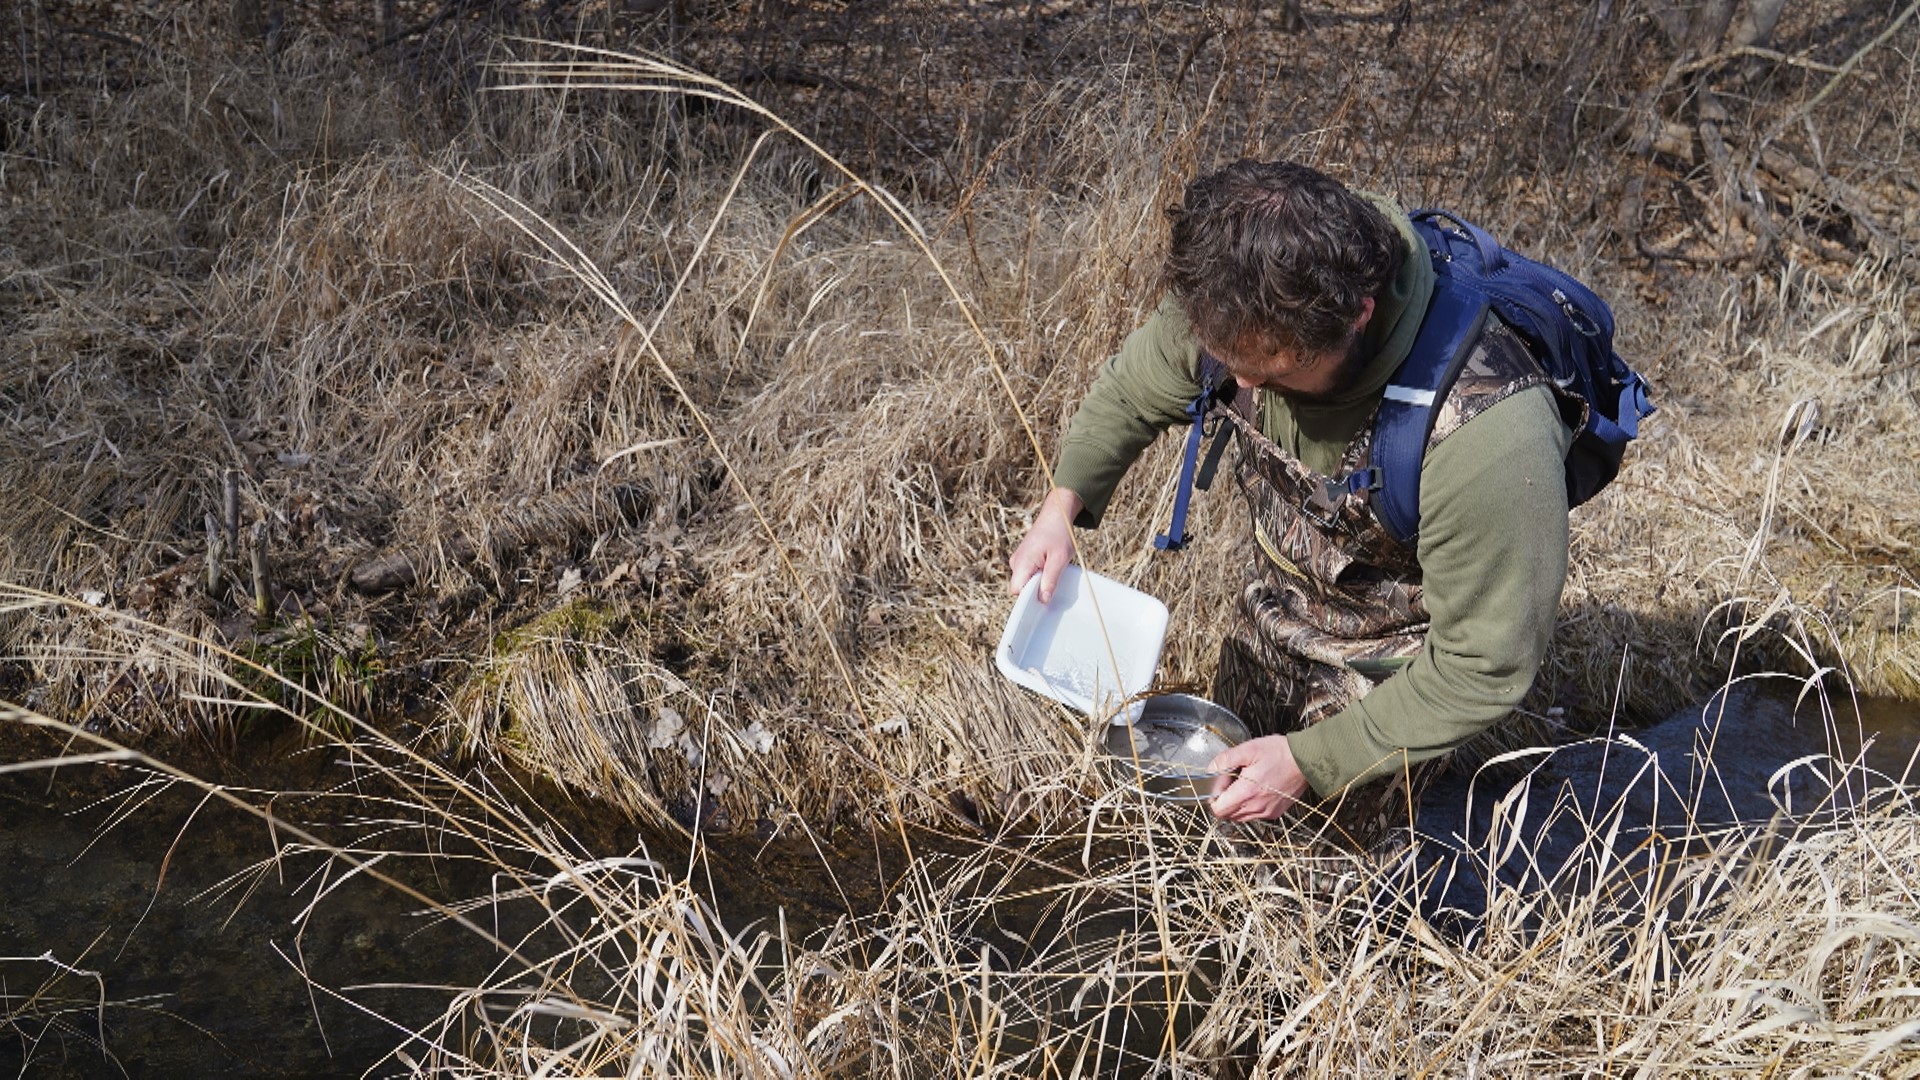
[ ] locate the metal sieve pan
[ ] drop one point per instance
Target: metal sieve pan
(1163, 743)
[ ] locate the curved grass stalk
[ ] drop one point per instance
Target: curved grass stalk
(624, 921)
(566, 255)
(590, 68)
(497, 821)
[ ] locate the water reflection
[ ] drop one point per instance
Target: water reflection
(148, 931)
(1756, 757)
(196, 935)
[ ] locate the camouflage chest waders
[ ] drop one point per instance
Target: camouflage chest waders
(1333, 595)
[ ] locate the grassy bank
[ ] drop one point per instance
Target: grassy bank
(631, 431)
(669, 443)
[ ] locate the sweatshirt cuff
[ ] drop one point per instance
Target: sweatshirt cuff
(1095, 492)
(1336, 752)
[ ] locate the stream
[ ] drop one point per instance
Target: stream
(1751, 757)
(146, 931)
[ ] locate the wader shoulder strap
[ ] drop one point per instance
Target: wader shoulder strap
(1213, 374)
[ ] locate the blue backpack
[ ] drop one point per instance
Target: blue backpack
(1567, 328)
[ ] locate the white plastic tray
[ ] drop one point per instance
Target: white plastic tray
(1097, 643)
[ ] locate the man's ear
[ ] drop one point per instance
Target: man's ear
(1366, 315)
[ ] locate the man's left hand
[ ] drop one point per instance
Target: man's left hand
(1257, 779)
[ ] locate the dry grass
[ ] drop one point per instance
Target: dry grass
(1130, 937)
(798, 465)
(703, 454)
(44, 999)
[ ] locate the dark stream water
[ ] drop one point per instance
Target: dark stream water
(193, 941)
(1752, 757)
(147, 932)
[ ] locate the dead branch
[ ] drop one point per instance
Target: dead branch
(1857, 205)
(1708, 63)
(554, 521)
(1806, 108)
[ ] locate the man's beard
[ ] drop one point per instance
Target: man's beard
(1346, 373)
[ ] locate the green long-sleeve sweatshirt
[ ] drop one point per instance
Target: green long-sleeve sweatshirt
(1493, 525)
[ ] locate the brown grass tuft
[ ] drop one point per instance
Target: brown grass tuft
(798, 452)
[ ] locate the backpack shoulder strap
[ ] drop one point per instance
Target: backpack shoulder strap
(1454, 319)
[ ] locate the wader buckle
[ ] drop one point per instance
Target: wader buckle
(1322, 504)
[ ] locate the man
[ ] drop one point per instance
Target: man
(1359, 657)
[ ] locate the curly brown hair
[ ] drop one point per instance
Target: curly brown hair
(1279, 250)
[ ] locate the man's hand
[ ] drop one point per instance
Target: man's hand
(1257, 779)
(1048, 547)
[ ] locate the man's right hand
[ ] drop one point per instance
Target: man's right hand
(1048, 547)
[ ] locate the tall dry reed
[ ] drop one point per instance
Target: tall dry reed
(415, 393)
(1126, 936)
(690, 460)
